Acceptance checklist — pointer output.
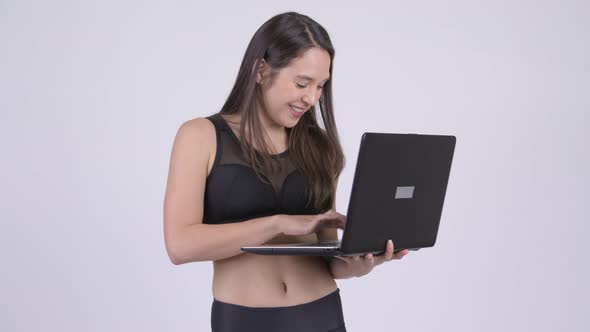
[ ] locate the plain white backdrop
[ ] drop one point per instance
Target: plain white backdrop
(92, 93)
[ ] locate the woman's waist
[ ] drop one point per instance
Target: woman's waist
(270, 281)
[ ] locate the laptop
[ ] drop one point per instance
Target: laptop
(398, 191)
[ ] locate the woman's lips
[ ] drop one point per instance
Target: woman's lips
(295, 113)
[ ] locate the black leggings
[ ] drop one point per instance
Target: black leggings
(321, 315)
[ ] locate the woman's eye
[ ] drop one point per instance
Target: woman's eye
(301, 86)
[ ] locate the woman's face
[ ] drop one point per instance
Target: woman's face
(295, 88)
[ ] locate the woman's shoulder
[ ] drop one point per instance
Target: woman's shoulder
(197, 126)
(197, 131)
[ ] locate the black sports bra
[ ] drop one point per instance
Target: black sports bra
(234, 192)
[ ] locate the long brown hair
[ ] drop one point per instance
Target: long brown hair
(316, 152)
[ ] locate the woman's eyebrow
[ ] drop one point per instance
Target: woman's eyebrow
(305, 77)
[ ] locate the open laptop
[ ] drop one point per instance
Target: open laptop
(398, 192)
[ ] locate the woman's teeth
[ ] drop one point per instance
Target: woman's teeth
(297, 109)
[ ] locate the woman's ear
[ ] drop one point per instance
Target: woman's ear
(262, 68)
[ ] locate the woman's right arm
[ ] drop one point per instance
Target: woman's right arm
(187, 239)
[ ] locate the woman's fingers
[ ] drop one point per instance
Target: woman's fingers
(389, 250)
(387, 255)
(373, 260)
(338, 218)
(401, 254)
(332, 219)
(341, 216)
(328, 223)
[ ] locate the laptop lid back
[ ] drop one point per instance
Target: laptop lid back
(398, 191)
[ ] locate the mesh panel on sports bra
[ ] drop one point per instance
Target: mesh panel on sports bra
(231, 153)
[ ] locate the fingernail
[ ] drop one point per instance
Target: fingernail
(389, 242)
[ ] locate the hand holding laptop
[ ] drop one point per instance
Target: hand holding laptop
(298, 225)
(357, 266)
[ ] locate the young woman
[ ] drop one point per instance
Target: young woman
(263, 171)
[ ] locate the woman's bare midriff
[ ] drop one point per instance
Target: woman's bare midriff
(272, 281)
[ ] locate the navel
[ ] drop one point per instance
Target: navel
(284, 287)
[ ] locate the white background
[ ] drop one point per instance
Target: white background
(92, 94)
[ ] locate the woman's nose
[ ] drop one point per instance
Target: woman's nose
(310, 97)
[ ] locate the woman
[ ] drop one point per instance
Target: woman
(263, 171)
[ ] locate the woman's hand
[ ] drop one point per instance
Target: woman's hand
(298, 225)
(357, 266)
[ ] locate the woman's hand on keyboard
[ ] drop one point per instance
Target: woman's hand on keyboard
(298, 225)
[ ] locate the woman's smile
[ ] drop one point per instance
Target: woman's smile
(296, 111)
